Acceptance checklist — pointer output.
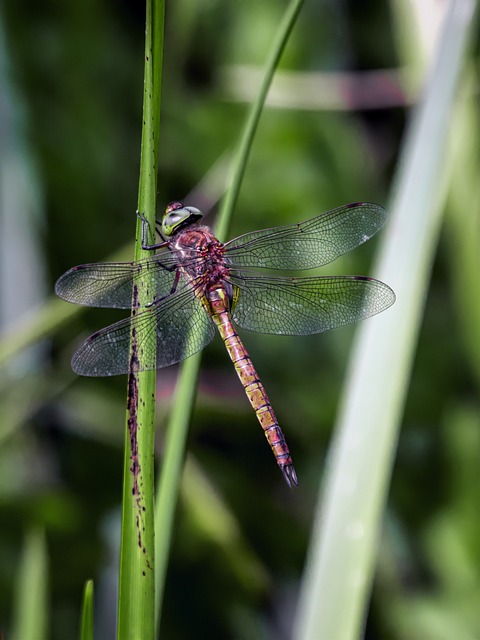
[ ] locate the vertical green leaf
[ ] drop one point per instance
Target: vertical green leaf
(136, 584)
(86, 626)
(30, 617)
(168, 487)
(341, 559)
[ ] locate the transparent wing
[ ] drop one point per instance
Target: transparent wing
(308, 244)
(109, 284)
(167, 332)
(302, 306)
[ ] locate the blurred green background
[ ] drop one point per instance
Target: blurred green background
(70, 118)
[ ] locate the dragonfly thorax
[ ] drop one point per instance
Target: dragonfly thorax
(177, 217)
(201, 254)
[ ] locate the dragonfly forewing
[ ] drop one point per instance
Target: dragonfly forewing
(303, 306)
(308, 244)
(109, 284)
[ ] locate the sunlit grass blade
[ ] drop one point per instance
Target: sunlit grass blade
(136, 598)
(246, 140)
(86, 627)
(31, 593)
(169, 479)
(463, 221)
(341, 559)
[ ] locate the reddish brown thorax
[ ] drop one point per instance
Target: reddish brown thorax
(202, 255)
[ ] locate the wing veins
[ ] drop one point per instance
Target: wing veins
(307, 244)
(301, 306)
(107, 351)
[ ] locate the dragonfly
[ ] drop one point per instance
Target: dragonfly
(199, 284)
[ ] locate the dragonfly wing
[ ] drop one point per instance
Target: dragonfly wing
(167, 332)
(109, 284)
(302, 306)
(308, 244)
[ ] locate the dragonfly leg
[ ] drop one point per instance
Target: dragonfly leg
(172, 290)
(145, 232)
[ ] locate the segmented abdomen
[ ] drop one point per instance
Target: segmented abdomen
(219, 309)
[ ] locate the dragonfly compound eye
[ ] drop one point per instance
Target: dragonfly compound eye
(173, 206)
(179, 217)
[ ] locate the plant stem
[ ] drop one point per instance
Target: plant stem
(340, 565)
(136, 584)
(168, 488)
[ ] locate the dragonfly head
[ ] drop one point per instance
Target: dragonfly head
(177, 216)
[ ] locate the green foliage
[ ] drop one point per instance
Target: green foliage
(31, 614)
(337, 584)
(136, 593)
(86, 628)
(184, 399)
(240, 537)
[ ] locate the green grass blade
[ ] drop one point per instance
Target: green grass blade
(137, 581)
(169, 477)
(248, 133)
(86, 627)
(341, 560)
(30, 617)
(463, 222)
(168, 488)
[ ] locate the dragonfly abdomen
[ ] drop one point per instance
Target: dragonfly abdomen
(256, 394)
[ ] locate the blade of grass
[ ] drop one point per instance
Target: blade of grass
(136, 597)
(245, 144)
(340, 564)
(86, 628)
(169, 480)
(30, 617)
(463, 223)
